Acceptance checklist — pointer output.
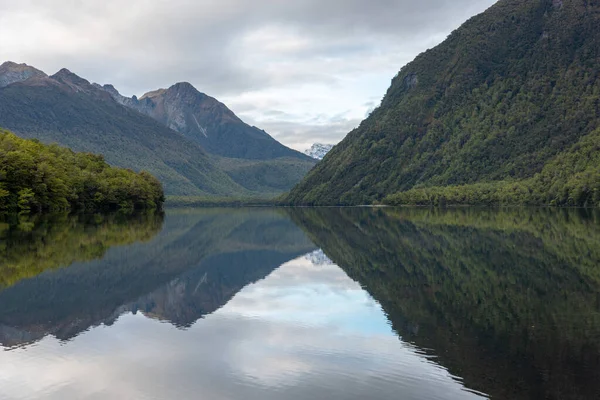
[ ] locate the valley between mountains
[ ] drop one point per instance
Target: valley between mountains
(505, 111)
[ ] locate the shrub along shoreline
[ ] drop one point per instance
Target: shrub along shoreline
(35, 177)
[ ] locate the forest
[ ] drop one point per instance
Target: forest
(504, 111)
(35, 177)
(572, 179)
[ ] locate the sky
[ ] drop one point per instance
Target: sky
(305, 71)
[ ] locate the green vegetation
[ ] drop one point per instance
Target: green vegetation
(36, 177)
(266, 178)
(506, 299)
(505, 111)
(30, 245)
(571, 179)
(209, 201)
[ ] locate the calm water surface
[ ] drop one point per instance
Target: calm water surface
(302, 304)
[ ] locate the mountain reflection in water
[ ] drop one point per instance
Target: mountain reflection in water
(302, 304)
(191, 268)
(508, 300)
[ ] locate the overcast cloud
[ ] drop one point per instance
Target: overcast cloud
(303, 70)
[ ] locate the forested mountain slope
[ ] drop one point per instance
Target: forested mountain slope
(506, 110)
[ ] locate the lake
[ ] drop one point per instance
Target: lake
(329, 303)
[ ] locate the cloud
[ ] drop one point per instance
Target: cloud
(343, 52)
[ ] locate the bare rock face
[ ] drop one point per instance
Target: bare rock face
(184, 109)
(411, 81)
(11, 72)
(73, 81)
(144, 106)
(206, 121)
(180, 107)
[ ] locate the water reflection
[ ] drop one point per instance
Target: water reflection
(310, 303)
(510, 301)
(305, 332)
(30, 245)
(193, 267)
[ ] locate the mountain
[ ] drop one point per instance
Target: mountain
(154, 133)
(505, 110)
(11, 72)
(206, 121)
(68, 110)
(251, 157)
(318, 150)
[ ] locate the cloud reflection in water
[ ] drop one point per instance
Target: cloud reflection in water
(305, 332)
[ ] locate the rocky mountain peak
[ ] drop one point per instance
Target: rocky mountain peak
(72, 80)
(10, 65)
(206, 121)
(185, 107)
(183, 86)
(75, 83)
(118, 97)
(66, 76)
(154, 93)
(111, 89)
(182, 90)
(11, 72)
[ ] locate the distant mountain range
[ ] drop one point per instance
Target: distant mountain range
(318, 150)
(194, 144)
(505, 111)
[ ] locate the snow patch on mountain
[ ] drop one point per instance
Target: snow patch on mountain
(318, 150)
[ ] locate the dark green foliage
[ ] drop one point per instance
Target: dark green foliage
(497, 103)
(506, 299)
(571, 179)
(36, 177)
(30, 245)
(196, 201)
